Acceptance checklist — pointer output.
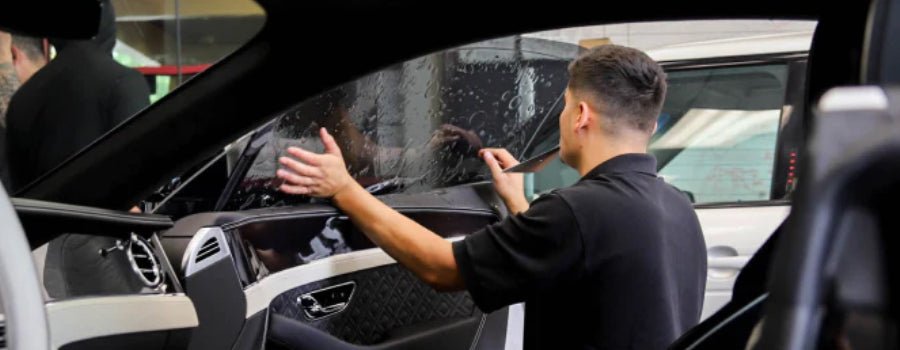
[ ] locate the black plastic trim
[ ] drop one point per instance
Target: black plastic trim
(756, 303)
(245, 161)
(253, 336)
(732, 61)
(748, 204)
(220, 304)
(154, 340)
(302, 214)
(44, 221)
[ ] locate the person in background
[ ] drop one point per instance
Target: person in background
(20, 57)
(78, 96)
(81, 94)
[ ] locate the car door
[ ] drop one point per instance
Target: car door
(297, 274)
(742, 166)
(728, 137)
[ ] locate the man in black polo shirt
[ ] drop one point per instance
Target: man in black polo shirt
(616, 261)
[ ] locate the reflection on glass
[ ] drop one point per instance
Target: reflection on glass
(724, 154)
(418, 125)
(301, 240)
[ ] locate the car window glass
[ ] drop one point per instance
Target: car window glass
(418, 125)
(716, 137)
(718, 132)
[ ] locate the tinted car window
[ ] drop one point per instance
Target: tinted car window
(417, 126)
(717, 134)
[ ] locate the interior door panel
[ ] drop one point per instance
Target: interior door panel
(325, 285)
(387, 300)
(290, 334)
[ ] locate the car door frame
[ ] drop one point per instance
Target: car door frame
(757, 219)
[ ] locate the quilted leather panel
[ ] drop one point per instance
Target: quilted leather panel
(386, 298)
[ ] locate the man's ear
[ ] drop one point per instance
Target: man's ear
(16, 54)
(655, 127)
(45, 48)
(584, 116)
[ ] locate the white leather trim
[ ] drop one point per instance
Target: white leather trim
(189, 259)
(87, 318)
(515, 327)
(853, 99)
(259, 295)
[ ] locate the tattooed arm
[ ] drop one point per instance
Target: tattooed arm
(9, 80)
(9, 83)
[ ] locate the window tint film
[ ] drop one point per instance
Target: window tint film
(417, 126)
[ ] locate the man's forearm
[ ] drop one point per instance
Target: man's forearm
(419, 249)
(516, 205)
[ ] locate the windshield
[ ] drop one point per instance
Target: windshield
(418, 125)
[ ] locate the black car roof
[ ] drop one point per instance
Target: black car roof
(303, 50)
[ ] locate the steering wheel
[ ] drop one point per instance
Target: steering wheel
(20, 290)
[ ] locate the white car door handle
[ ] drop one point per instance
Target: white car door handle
(727, 262)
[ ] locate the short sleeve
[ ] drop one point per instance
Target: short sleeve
(506, 262)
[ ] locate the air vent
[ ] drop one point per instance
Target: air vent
(144, 262)
(208, 249)
(209, 246)
(2, 335)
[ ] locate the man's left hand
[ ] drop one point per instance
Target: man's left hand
(319, 175)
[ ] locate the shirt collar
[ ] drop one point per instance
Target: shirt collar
(631, 162)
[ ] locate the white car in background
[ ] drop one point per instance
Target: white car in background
(728, 137)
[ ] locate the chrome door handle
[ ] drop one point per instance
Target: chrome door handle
(310, 303)
(727, 262)
(724, 262)
(326, 302)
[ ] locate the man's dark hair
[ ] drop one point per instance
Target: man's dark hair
(32, 47)
(625, 84)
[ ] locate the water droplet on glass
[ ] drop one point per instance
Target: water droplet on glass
(474, 117)
(515, 102)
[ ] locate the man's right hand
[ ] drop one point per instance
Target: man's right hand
(510, 186)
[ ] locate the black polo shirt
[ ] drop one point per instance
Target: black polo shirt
(616, 261)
